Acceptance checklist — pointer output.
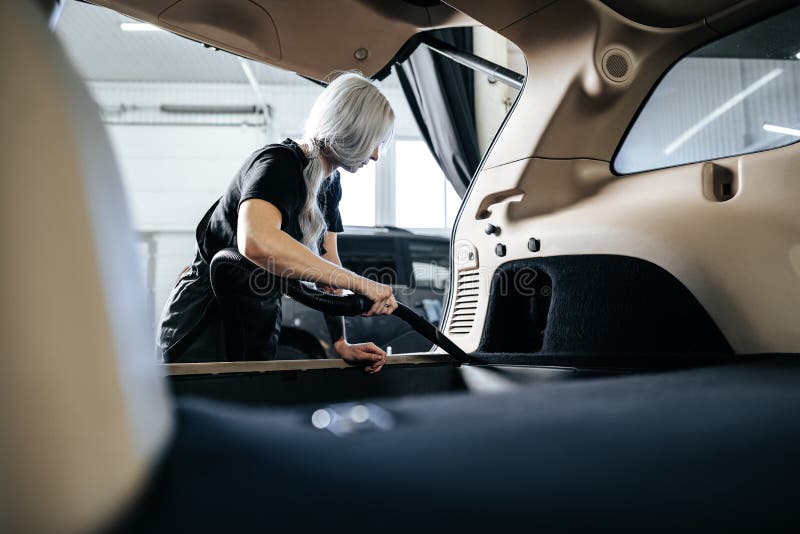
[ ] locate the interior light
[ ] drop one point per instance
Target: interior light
(139, 27)
(782, 130)
(797, 55)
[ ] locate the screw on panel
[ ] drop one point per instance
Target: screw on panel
(534, 244)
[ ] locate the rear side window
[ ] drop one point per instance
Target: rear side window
(737, 95)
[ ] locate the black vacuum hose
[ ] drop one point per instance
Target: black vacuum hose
(346, 305)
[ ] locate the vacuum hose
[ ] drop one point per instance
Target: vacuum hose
(345, 305)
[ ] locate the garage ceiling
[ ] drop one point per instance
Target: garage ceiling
(103, 52)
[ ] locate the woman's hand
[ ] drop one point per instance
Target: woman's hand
(382, 297)
(367, 354)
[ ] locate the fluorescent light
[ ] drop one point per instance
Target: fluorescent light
(782, 130)
(139, 27)
(726, 106)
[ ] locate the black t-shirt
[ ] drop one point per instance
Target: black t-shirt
(275, 174)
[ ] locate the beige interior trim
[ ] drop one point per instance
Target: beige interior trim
(314, 38)
(499, 15)
(216, 368)
(84, 413)
(667, 13)
(740, 258)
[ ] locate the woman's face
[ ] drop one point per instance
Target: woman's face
(373, 157)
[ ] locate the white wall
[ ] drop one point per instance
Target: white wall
(173, 173)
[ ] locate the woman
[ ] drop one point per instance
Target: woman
(281, 212)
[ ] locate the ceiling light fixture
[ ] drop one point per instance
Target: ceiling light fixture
(139, 27)
(782, 130)
(797, 55)
(726, 106)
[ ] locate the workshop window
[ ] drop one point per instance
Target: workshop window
(737, 95)
(421, 188)
(358, 196)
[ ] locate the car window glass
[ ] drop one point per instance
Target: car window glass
(738, 95)
(372, 257)
(429, 264)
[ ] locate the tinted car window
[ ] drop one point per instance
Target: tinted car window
(371, 257)
(738, 95)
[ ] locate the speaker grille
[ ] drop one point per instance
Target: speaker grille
(616, 65)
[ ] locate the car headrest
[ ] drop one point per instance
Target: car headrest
(84, 408)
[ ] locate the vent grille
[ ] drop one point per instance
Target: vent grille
(466, 303)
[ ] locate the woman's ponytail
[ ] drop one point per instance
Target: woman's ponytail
(312, 222)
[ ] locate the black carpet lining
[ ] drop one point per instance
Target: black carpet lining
(595, 304)
(713, 448)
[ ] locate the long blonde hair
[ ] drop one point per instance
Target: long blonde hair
(348, 120)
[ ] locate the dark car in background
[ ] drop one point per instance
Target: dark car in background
(417, 268)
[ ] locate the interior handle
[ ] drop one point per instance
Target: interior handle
(507, 195)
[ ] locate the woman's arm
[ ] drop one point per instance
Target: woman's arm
(352, 353)
(261, 240)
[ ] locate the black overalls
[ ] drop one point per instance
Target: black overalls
(194, 324)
